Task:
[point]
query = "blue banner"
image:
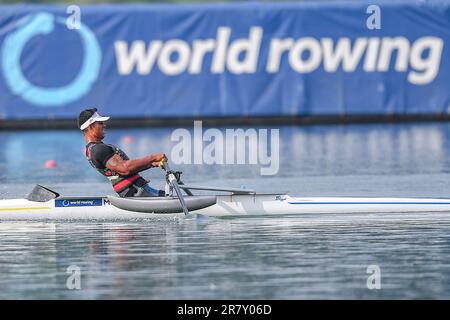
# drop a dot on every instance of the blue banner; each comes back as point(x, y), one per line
point(302, 59)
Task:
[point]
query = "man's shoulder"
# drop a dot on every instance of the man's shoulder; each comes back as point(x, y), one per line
point(101, 148)
point(99, 145)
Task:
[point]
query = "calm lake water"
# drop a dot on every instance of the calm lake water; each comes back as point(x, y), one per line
point(196, 257)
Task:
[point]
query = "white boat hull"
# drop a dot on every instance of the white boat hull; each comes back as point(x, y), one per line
point(226, 205)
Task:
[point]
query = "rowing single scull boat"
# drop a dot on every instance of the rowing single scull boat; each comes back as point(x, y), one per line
point(238, 202)
point(43, 203)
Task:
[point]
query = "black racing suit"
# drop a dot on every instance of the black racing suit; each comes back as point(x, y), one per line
point(98, 154)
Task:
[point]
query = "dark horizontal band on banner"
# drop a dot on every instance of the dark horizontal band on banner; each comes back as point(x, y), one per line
point(225, 121)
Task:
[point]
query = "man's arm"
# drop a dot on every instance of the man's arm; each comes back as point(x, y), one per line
point(127, 167)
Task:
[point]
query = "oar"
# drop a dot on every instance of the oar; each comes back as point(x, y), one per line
point(174, 183)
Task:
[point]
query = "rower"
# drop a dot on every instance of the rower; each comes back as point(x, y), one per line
point(113, 163)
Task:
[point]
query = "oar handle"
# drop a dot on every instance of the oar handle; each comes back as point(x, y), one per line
point(163, 164)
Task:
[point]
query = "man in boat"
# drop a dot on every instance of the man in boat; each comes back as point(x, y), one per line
point(112, 162)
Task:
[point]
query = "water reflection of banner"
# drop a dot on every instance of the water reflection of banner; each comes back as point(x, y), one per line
point(228, 60)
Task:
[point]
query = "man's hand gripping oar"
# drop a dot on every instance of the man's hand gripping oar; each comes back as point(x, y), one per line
point(173, 181)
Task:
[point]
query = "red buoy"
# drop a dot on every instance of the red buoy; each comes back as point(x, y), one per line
point(127, 139)
point(50, 164)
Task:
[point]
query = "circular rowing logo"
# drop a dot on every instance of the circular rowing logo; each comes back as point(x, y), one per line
point(41, 24)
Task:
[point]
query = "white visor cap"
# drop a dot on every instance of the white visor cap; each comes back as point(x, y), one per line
point(94, 118)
